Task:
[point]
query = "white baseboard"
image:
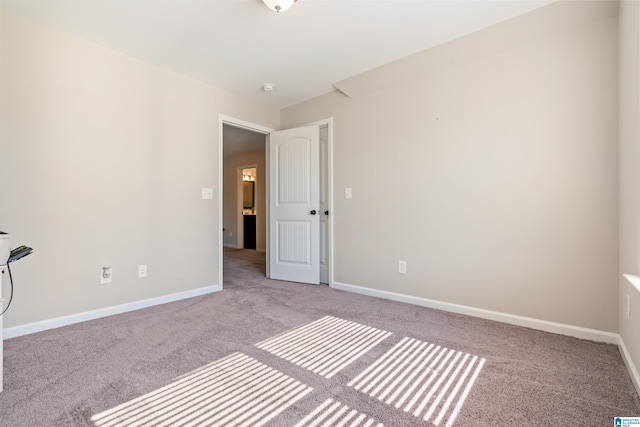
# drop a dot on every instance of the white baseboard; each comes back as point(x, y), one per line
point(542, 325)
point(31, 328)
point(633, 372)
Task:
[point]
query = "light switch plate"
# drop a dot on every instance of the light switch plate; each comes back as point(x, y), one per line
point(402, 267)
point(207, 193)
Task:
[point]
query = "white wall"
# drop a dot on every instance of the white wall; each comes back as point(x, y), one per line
point(629, 112)
point(102, 160)
point(489, 164)
point(230, 214)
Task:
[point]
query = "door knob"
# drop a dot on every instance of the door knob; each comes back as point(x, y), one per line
point(313, 212)
point(326, 212)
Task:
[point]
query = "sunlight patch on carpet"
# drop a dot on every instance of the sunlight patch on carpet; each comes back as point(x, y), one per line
point(234, 391)
point(332, 413)
point(325, 346)
point(426, 380)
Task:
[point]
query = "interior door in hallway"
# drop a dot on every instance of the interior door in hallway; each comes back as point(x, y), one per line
point(294, 205)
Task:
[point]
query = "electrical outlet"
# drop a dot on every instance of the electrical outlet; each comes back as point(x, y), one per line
point(402, 267)
point(105, 275)
point(628, 307)
point(142, 271)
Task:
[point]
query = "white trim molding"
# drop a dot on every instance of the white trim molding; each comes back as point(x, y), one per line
point(328, 122)
point(243, 124)
point(56, 322)
point(634, 280)
point(528, 322)
point(633, 371)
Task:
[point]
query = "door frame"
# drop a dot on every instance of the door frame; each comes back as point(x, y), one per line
point(254, 127)
point(243, 124)
point(329, 123)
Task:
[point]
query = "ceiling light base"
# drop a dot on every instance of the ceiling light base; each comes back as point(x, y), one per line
point(279, 5)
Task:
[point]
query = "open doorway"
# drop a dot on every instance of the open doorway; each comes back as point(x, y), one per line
point(244, 196)
point(230, 229)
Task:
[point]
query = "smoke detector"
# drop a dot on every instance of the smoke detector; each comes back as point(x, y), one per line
point(267, 87)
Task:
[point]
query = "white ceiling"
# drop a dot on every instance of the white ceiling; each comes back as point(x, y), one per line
point(240, 44)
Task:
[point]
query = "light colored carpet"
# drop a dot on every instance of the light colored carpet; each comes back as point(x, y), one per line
point(235, 390)
point(325, 346)
point(283, 354)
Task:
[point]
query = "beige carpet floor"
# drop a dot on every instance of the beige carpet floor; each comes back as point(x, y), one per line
point(273, 353)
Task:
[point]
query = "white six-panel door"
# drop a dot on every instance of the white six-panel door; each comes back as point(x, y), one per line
point(294, 224)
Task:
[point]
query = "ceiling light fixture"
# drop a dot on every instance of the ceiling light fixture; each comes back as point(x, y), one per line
point(279, 5)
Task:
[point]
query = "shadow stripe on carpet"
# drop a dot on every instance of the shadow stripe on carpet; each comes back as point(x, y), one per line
point(234, 391)
point(333, 413)
point(325, 346)
point(421, 378)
